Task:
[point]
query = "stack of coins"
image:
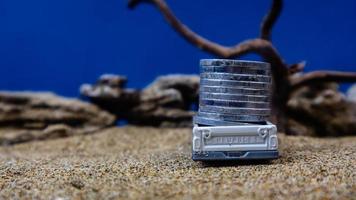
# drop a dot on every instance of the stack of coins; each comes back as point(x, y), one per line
point(233, 92)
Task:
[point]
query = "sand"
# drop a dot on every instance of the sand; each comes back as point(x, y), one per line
point(150, 163)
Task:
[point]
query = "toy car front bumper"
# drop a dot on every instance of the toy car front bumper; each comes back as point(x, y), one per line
point(235, 155)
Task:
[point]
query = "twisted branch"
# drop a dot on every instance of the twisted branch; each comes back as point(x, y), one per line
point(322, 76)
point(295, 68)
point(259, 46)
point(270, 19)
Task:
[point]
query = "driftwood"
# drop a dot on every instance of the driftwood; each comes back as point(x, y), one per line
point(323, 111)
point(351, 93)
point(28, 116)
point(284, 78)
point(166, 102)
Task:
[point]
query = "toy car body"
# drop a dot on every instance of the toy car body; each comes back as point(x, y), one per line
point(242, 142)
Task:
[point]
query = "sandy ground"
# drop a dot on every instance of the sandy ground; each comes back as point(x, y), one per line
point(148, 163)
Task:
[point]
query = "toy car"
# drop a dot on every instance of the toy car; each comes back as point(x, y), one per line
point(241, 142)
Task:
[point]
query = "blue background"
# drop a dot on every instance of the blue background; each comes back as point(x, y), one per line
point(58, 45)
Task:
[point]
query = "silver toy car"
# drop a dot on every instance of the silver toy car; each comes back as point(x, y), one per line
point(243, 142)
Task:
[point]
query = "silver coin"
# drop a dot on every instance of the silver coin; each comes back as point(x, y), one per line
point(234, 70)
point(235, 97)
point(212, 122)
point(233, 90)
point(235, 111)
point(237, 63)
point(234, 118)
point(243, 84)
point(236, 104)
point(236, 77)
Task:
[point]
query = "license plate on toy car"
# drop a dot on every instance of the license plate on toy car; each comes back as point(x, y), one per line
point(234, 140)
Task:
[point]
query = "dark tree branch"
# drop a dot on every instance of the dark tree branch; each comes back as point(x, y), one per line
point(295, 68)
point(322, 76)
point(270, 19)
point(133, 3)
point(259, 46)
